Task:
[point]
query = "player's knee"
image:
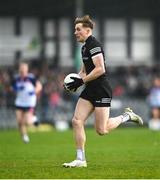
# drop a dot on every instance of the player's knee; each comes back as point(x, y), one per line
point(20, 123)
point(76, 122)
point(101, 131)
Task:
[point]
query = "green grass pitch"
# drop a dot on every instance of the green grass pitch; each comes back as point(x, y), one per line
point(131, 153)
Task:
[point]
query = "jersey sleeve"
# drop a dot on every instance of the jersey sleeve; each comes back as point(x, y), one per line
point(95, 49)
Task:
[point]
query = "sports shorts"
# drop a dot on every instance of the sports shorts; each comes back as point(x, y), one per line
point(99, 93)
point(25, 109)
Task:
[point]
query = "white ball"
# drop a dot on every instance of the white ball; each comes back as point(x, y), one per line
point(68, 79)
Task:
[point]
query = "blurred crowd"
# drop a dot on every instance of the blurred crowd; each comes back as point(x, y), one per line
point(126, 81)
point(132, 81)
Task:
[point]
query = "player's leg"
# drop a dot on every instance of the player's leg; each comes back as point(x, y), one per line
point(103, 123)
point(22, 125)
point(83, 109)
point(27, 119)
point(154, 123)
point(155, 113)
point(30, 117)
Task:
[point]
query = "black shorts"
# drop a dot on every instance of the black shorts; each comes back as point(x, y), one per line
point(98, 93)
point(25, 109)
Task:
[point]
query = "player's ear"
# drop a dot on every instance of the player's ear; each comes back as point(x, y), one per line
point(88, 30)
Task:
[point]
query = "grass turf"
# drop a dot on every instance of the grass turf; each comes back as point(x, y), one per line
point(131, 153)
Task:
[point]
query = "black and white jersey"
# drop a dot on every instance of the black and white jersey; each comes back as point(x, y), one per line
point(97, 91)
point(90, 49)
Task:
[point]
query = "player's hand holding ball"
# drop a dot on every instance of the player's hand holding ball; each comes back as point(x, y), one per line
point(72, 82)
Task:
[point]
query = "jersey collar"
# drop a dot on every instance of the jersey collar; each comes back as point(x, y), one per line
point(88, 39)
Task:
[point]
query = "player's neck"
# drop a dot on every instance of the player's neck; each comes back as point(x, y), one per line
point(88, 37)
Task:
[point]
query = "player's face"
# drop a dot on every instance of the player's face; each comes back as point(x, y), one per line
point(81, 32)
point(157, 82)
point(23, 69)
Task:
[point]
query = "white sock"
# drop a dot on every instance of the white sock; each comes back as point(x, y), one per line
point(25, 138)
point(125, 117)
point(81, 154)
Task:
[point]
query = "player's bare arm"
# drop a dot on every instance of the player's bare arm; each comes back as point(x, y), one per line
point(38, 87)
point(99, 69)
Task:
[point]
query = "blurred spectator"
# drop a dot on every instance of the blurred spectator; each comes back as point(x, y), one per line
point(26, 87)
point(54, 99)
point(154, 102)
